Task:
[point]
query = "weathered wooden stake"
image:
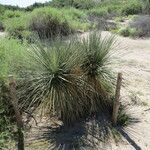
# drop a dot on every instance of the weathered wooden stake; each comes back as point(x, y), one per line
point(117, 100)
point(14, 101)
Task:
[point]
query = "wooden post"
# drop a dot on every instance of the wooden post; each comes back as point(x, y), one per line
point(116, 104)
point(14, 102)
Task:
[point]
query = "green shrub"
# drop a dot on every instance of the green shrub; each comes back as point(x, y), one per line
point(1, 26)
point(6, 114)
point(131, 8)
point(16, 26)
point(128, 31)
point(146, 6)
point(48, 25)
point(118, 7)
point(52, 22)
point(98, 12)
point(142, 25)
point(79, 4)
point(124, 31)
point(12, 14)
point(134, 32)
point(112, 7)
point(12, 56)
point(84, 4)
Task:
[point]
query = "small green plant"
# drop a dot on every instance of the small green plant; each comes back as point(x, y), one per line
point(124, 31)
point(128, 32)
point(134, 32)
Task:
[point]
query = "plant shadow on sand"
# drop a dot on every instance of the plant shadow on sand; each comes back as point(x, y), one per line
point(93, 134)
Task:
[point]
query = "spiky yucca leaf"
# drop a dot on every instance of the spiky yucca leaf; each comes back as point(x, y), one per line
point(95, 65)
point(53, 84)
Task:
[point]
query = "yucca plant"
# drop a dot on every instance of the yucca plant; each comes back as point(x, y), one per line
point(95, 65)
point(53, 84)
point(70, 79)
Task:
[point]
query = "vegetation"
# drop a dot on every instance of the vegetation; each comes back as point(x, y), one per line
point(63, 17)
point(146, 6)
point(141, 24)
point(137, 27)
point(57, 75)
point(56, 22)
point(131, 8)
point(127, 31)
point(58, 85)
point(5, 117)
point(12, 54)
point(79, 4)
point(1, 26)
point(52, 22)
point(12, 57)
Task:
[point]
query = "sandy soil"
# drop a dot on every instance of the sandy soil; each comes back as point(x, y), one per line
point(134, 62)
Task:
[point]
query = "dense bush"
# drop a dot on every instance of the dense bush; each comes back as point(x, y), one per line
point(131, 8)
point(79, 4)
point(128, 31)
point(146, 6)
point(98, 12)
point(141, 24)
point(52, 21)
point(12, 14)
point(84, 4)
point(12, 57)
point(1, 26)
point(11, 62)
point(17, 27)
point(47, 25)
point(117, 8)
point(5, 117)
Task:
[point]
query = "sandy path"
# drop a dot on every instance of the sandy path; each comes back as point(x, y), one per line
point(134, 63)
